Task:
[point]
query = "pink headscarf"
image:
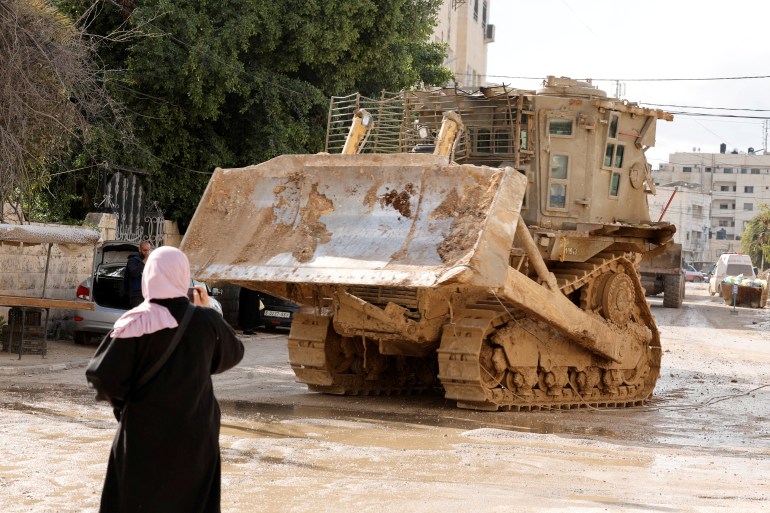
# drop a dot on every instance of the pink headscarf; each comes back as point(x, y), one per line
point(166, 275)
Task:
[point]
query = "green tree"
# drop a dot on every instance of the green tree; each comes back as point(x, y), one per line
point(756, 237)
point(236, 82)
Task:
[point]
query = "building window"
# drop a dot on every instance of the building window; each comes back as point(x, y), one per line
point(724, 188)
point(560, 127)
point(557, 186)
point(687, 169)
point(748, 206)
point(728, 170)
point(723, 206)
point(503, 141)
point(484, 17)
point(613, 131)
point(483, 141)
point(708, 169)
point(748, 189)
point(476, 10)
point(744, 170)
point(754, 171)
point(723, 222)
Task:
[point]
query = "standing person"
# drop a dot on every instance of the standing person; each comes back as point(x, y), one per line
point(249, 305)
point(134, 268)
point(165, 456)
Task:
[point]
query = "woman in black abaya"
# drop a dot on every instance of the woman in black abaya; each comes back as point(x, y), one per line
point(165, 455)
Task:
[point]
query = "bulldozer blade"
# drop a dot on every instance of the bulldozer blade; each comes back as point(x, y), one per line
point(408, 220)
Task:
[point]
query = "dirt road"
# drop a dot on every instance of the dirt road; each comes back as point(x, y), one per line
point(702, 444)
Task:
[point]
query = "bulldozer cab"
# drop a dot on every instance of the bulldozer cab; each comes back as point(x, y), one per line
point(582, 153)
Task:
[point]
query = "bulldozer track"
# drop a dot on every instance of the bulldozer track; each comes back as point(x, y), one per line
point(321, 359)
point(469, 375)
point(332, 364)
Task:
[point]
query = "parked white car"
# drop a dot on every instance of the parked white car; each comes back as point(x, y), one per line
point(106, 289)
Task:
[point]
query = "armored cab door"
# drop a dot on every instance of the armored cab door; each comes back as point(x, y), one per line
point(565, 166)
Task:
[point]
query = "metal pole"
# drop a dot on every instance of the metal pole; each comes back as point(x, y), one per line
point(45, 276)
point(735, 295)
point(667, 204)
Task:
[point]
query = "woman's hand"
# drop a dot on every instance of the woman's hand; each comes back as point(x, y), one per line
point(200, 296)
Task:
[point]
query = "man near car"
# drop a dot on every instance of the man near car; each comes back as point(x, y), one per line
point(249, 305)
point(134, 269)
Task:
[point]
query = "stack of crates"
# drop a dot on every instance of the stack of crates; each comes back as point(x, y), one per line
point(34, 331)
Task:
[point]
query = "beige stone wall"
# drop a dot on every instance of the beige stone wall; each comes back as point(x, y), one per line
point(171, 235)
point(23, 273)
point(106, 224)
point(23, 270)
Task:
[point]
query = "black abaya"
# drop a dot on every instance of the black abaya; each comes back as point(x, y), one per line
point(165, 455)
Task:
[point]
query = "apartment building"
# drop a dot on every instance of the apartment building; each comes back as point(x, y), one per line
point(728, 187)
point(464, 26)
point(690, 210)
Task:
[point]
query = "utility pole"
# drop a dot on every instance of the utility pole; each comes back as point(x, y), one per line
point(620, 89)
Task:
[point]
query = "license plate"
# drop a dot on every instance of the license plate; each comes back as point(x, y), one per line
point(273, 313)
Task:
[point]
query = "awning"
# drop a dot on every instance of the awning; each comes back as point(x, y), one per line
point(35, 234)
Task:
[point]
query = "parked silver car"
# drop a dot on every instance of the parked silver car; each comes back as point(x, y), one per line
point(105, 287)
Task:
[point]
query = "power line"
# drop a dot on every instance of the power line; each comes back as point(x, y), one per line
point(680, 79)
point(706, 115)
point(704, 108)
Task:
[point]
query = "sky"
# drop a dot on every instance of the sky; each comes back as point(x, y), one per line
point(635, 41)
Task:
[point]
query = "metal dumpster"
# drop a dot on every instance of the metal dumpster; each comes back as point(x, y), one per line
point(750, 297)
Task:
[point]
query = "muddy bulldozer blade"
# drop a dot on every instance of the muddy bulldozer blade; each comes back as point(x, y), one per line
point(406, 220)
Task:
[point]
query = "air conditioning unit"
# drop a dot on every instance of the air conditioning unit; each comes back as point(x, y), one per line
point(489, 34)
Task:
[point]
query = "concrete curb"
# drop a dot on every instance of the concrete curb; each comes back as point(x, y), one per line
point(42, 369)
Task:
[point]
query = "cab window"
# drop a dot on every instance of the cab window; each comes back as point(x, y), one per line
point(613, 150)
point(614, 184)
point(557, 182)
point(560, 127)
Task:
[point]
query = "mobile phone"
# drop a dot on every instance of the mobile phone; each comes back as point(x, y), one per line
point(190, 293)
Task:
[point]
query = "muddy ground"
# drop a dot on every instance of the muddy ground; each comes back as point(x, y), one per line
point(702, 444)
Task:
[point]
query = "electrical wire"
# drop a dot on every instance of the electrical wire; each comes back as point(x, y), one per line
point(680, 79)
point(704, 108)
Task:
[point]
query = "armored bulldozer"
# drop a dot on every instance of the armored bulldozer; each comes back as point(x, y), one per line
point(485, 243)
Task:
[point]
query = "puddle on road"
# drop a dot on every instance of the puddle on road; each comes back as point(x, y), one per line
point(666, 421)
point(432, 413)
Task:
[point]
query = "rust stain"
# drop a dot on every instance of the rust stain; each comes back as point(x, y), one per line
point(399, 200)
